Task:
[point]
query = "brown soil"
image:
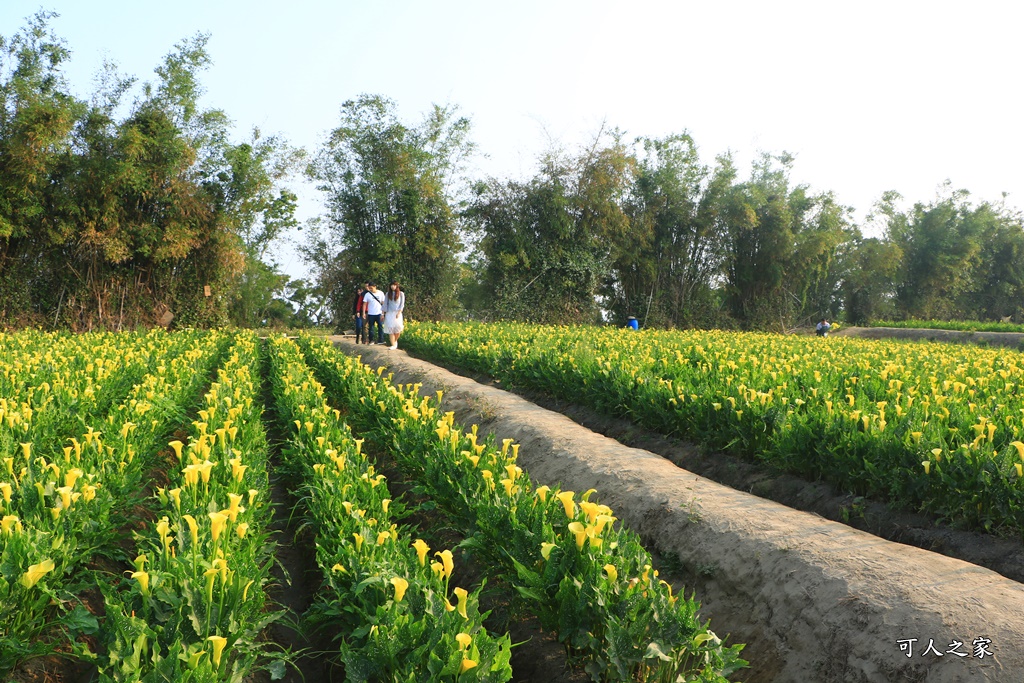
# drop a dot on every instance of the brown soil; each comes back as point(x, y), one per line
point(296, 581)
point(813, 599)
point(1013, 340)
point(1004, 555)
point(295, 573)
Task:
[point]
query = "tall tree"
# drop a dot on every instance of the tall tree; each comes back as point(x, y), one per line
point(960, 260)
point(389, 192)
point(780, 247)
point(548, 243)
point(262, 211)
point(666, 269)
point(107, 219)
point(37, 115)
point(869, 280)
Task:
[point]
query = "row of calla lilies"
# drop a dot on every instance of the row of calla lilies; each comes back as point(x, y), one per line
point(585, 578)
point(933, 427)
point(194, 605)
point(59, 508)
point(391, 600)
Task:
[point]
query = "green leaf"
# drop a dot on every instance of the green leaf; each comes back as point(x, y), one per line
point(80, 621)
point(654, 651)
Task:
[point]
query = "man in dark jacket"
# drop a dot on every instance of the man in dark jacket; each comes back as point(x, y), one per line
point(357, 314)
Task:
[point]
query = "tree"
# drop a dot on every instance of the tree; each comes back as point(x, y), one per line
point(780, 248)
point(548, 243)
point(666, 269)
point(936, 253)
point(389, 193)
point(37, 115)
point(869, 280)
point(262, 212)
point(107, 220)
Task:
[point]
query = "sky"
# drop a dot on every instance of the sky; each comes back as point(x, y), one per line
point(867, 96)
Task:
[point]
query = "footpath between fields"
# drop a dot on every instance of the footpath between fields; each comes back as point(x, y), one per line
point(1012, 340)
point(813, 599)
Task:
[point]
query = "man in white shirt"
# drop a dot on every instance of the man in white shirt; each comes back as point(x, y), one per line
point(372, 309)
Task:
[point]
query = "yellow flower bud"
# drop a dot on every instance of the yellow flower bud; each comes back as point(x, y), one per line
point(193, 527)
point(401, 585)
point(143, 579)
point(447, 562)
point(580, 532)
point(35, 573)
point(570, 507)
point(217, 522)
point(218, 648)
point(176, 445)
point(461, 594)
point(421, 551)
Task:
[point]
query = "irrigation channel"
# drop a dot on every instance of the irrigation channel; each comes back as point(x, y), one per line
point(813, 599)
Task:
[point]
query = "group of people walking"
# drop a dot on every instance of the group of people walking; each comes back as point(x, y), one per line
point(383, 310)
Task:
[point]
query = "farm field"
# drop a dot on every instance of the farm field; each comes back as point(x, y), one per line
point(956, 325)
point(932, 428)
point(136, 539)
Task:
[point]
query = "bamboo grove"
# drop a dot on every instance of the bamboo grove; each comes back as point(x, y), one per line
point(137, 202)
point(134, 203)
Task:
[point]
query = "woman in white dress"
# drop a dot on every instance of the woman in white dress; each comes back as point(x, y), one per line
point(394, 304)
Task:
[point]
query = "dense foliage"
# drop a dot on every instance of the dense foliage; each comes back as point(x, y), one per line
point(587, 581)
point(135, 510)
point(113, 211)
point(135, 203)
point(386, 186)
point(648, 230)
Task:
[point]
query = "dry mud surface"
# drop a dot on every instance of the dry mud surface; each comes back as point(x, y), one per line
point(1013, 340)
point(814, 600)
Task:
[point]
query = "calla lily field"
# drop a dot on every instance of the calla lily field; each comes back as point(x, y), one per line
point(136, 507)
point(937, 428)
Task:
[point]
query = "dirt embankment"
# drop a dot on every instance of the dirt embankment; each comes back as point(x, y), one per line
point(814, 600)
point(1013, 340)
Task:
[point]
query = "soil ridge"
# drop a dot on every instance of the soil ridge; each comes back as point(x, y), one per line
point(1013, 340)
point(812, 598)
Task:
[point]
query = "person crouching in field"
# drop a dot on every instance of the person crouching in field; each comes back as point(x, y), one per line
point(372, 306)
point(822, 328)
point(394, 304)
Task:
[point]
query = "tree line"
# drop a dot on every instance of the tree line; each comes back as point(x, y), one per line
point(642, 228)
point(136, 203)
point(132, 207)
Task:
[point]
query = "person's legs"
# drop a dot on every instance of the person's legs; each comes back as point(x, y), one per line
point(372, 320)
point(359, 328)
point(394, 340)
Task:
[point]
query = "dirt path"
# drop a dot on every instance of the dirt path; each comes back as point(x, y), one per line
point(1013, 340)
point(813, 599)
point(295, 573)
point(1002, 555)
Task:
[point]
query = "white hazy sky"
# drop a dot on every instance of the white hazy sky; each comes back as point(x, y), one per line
point(869, 96)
